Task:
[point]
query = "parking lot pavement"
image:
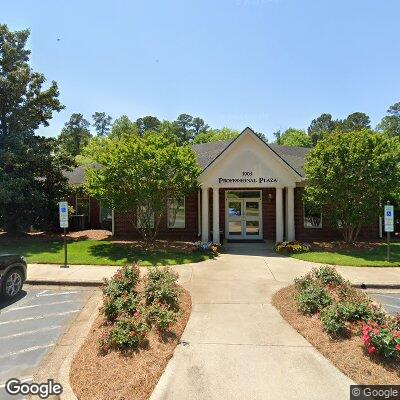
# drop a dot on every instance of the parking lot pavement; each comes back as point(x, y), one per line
point(389, 301)
point(30, 327)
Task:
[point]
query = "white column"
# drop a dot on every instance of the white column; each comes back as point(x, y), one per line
point(215, 215)
point(204, 214)
point(279, 214)
point(290, 214)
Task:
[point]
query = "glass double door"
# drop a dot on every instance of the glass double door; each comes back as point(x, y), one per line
point(243, 219)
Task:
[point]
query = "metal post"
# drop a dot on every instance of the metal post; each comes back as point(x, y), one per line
point(65, 248)
point(388, 245)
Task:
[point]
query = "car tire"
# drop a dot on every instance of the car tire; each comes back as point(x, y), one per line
point(12, 283)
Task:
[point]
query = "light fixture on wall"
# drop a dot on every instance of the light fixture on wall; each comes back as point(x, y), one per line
point(270, 197)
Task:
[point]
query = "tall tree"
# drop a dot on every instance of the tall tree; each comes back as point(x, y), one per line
point(349, 174)
point(74, 136)
point(355, 122)
point(198, 126)
point(295, 137)
point(278, 135)
point(139, 174)
point(31, 180)
point(148, 123)
point(184, 122)
point(123, 126)
point(102, 123)
point(390, 124)
point(320, 126)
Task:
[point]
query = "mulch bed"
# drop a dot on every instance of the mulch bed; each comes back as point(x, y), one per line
point(348, 355)
point(343, 246)
point(122, 376)
point(99, 234)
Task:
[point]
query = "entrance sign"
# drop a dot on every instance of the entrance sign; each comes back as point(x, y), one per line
point(389, 218)
point(63, 211)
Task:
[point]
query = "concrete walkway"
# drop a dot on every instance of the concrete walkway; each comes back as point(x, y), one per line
point(236, 345)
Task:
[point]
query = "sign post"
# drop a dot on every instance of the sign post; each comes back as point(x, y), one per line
point(63, 212)
point(389, 225)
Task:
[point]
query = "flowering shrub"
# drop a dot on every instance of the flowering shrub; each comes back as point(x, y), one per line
point(162, 316)
point(127, 333)
point(328, 275)
point(161, 286)
point(291, 247)
point(131, 313)
point(334, 320)
point(381, 339)
point(312, 298)
point(124, 280)
point(208, 246)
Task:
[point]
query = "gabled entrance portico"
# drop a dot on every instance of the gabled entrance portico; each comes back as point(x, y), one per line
point(246, 169)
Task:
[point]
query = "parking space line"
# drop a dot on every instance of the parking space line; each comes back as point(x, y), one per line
point(42, 292)
point(50, 328)
point(54, 294)
point(39, 317)
point(389, 297)
point(390, 305)
point(39, 305)
point(29, 349)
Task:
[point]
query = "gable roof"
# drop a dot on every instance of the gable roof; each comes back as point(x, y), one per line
point(206, 153)
point(295, 157)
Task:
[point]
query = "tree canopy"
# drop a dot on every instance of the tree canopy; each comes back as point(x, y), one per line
point(102, 123)
point(352, 173)
point(355, 122)
point(294, 137)
point(214, 135)
point(390, 124)
point(74, 136)
point(320, 126)
point(31, 180)
point(141, 174)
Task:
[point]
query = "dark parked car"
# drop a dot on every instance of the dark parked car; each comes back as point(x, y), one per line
point(12, 274)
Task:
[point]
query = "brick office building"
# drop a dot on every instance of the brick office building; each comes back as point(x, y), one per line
point(250, 190)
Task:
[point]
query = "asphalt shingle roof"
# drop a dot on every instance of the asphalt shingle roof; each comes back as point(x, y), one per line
point(206, 153)
point(294, 156)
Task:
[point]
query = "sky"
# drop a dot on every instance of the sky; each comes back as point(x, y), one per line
point(267, 64)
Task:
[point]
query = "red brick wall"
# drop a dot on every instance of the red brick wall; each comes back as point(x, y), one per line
point(326, 232)
point(125, 224)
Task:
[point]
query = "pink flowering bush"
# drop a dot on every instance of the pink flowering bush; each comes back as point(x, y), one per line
point(381, 339)
point(132, 306)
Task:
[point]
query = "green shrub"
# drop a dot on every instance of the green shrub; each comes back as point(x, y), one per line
point(333, 320)
point(124, 280)
point(328, 275)
point(126, 334)
point(312, 298)
point(126, 303)
point(162, 316)
point(161, 287)
point(304, 281)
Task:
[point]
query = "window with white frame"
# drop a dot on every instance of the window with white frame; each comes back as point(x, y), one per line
point(312, 216)
point(105, 212)
point(82, 206)
point(141, 216)
point(176, 213)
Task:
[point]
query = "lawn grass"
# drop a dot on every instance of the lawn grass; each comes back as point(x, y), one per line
point(356, 258)
point(97, 252)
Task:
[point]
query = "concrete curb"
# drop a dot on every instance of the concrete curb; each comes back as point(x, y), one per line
point(376, 285)
point(57, 364)
point(48, 282)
